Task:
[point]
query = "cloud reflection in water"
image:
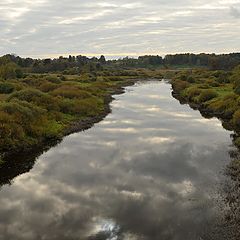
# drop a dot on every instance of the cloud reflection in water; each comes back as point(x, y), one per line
point(131, 176)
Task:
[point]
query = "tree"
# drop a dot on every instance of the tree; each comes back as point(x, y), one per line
point(102, 59)
point(8, 71)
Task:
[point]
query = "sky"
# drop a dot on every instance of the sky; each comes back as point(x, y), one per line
point(49, 28)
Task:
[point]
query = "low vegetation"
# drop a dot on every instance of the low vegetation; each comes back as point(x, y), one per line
point(216, 93)
point(36, 108)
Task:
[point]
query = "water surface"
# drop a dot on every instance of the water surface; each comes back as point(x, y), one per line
point(150, 170)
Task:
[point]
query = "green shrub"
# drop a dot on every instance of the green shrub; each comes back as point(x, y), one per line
point(53, 79)
point(11, 133)
point(88, 77)
point(6, 88)
point(115, 78)
point(192, 92)
point(237, 88)
point(190, 79)
point(67, 106)
point(37, 97)
point(8, 70)
point(212, 83)
point(236, 119)
point(88, 107)
point(70, 92)
point(33, 81)
point(179, 85)
point(83, 107)
point(48, 86)
point(207, 95)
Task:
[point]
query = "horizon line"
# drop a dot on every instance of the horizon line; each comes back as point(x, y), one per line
point(113, 55)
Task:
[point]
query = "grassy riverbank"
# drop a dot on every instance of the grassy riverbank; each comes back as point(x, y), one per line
point(217, 94)
point(214, 93)
point(39, 108)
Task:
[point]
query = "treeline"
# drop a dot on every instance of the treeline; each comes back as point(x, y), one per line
point(67, 65)
point(211, 61)
point(80, 64)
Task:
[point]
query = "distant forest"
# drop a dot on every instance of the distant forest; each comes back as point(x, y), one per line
point(80, 64)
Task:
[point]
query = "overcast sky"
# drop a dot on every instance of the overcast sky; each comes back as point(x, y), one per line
point(48, 28)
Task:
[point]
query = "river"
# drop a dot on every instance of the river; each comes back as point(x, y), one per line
point(150, 170)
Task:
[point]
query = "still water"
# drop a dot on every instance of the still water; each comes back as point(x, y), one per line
point(150, 170)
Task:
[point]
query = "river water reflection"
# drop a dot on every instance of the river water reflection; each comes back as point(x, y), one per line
point(149, 170)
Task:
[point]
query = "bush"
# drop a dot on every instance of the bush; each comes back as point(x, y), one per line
point(212, 83)
point(37, 97)
point(88, 77)
point(222, 76)
point(116, 78)
point(83, 107)
point(6, 88)
point(237, 87)
point(87, 107)
point(190, 79)
point(11, 133)
point(67, 106)
point(53, 79)
point(70, 92)
point(47, 87)
point(226, 105)
point(8, 71)
point(192, 92)
point(236, 119)
point(179, 85)
point(29, 117)
point(207, 95)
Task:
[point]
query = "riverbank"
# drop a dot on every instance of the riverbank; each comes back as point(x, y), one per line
point(80, 122)
point(214, 95)
point(106, 162)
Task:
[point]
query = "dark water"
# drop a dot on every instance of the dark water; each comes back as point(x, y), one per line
point(150, 170)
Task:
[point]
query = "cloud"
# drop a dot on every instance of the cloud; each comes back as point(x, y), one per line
point(49, 27)
point(235, 12)
point(137, 181)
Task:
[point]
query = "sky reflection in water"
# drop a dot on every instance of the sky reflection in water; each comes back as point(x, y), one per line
point(147, 171)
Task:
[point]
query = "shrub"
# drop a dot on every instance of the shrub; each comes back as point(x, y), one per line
point(33, 81)
point(226, 105)
point(88, 77)
point(6, 88)
point(31, 118)
point(207, 95)
point(11, 133)
point(116, 78)
point(29, 95)
point(70, 92)
point(237, 88)
point(8, 70)
point(47, 87)
point(222, 76)
point(83, 107)
point(190, 79)
point(37, 97)
point(236, 119)
point(67, 106)
point(53, 79)
point(87, 107)
point(179, 85)
point(212, 83)
point(192, 92)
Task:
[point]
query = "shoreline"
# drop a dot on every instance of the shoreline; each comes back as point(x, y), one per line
point(205, 112)
point(231, 192)
point(77, 126)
